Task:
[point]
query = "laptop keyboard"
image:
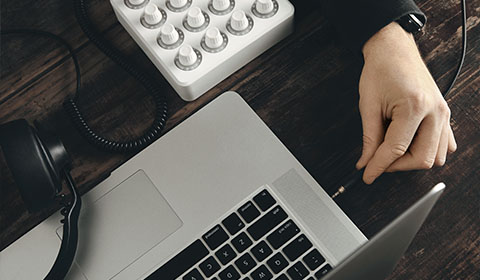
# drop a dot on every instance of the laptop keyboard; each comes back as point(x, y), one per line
point(259, 241)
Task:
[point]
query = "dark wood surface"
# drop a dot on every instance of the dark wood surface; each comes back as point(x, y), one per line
point(304, 88)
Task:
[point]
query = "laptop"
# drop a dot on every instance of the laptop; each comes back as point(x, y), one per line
point(217, 197)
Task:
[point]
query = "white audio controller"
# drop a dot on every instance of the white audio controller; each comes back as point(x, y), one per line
point(197, 43)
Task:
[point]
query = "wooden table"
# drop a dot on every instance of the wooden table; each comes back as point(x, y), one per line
point(304, 88)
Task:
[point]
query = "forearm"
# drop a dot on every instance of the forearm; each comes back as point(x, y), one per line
point(357, 21)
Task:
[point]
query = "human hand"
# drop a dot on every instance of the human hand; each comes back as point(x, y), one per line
point(405, 119)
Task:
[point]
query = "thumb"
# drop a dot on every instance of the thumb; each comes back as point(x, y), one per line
point(373, 132)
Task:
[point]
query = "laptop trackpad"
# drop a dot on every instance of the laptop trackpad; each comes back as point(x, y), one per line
point(121, 226)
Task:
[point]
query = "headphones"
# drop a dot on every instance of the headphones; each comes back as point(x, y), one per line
point(39, 163)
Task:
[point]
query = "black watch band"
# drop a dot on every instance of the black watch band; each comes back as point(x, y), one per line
point(411, 23)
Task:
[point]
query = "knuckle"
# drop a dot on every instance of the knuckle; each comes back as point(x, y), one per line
point(416, 103)
point(443, 109)
point(398, 150)
point(427, 163)
point(367, 140)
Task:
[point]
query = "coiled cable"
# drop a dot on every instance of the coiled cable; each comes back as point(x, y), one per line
point(70, 105)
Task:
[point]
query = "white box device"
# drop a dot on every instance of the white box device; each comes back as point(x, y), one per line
point(197, 43)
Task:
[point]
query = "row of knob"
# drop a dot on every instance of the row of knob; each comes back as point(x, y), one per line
point(195, 17)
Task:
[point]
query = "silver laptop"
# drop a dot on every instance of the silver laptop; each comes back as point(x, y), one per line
point(217, 197)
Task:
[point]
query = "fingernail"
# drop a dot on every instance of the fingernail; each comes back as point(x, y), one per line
point(359, 164)
point(368, 180)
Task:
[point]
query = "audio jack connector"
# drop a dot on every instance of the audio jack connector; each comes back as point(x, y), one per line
point(352, 180)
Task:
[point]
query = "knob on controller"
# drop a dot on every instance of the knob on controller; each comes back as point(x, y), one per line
point(135, 4)
point(187, 55)
point(152, 14)
point(195, 17)
point(196, 20)
point(170, 37)
point(213, 38)
point(264, 6)
point(221, 5)
point(188, 58)
point(178, 3)
point(168, 34)
point(239, 21)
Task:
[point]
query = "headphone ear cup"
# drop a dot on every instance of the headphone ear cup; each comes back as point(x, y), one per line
point(30, 163)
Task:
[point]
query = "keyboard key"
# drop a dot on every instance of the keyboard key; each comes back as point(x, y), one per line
point(282, 277)
point(282, 234)
point(215, 237)
point(311, 278)
point(323, 271)
point(264, 200)
point(209, 266)
point(241, 242)
point(298, 271)
point(261, 251)
point(245, 263)
point(261, 273)
point(193, 275)
point(313, 259)
point(266, 223)
point(277, 263)
point(214, 278)
point(229, 273)
point(248, 212)
point(225, 254)
point(297, 247)
point(182, 262)
point(233, 224)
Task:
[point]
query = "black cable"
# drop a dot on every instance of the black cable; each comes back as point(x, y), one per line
point(464, 48)
point(52, 36)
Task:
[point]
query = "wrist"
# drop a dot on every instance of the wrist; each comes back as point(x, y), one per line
point(390, 37)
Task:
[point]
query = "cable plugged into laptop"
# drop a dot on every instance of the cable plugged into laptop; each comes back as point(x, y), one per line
point(352, 180)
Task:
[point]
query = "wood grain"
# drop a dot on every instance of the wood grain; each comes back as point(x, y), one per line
point(304, 88)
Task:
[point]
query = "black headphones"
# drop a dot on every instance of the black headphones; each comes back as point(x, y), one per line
point(39, 162)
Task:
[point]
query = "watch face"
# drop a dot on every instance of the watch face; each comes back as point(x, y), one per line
point(411, 23)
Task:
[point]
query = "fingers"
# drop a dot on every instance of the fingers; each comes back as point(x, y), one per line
point(442, 146)
point(397, 140)
point(373, 132)
point(423, 151)
point(452, 144)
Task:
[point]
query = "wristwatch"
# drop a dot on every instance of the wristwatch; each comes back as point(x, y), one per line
point(411, 23)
